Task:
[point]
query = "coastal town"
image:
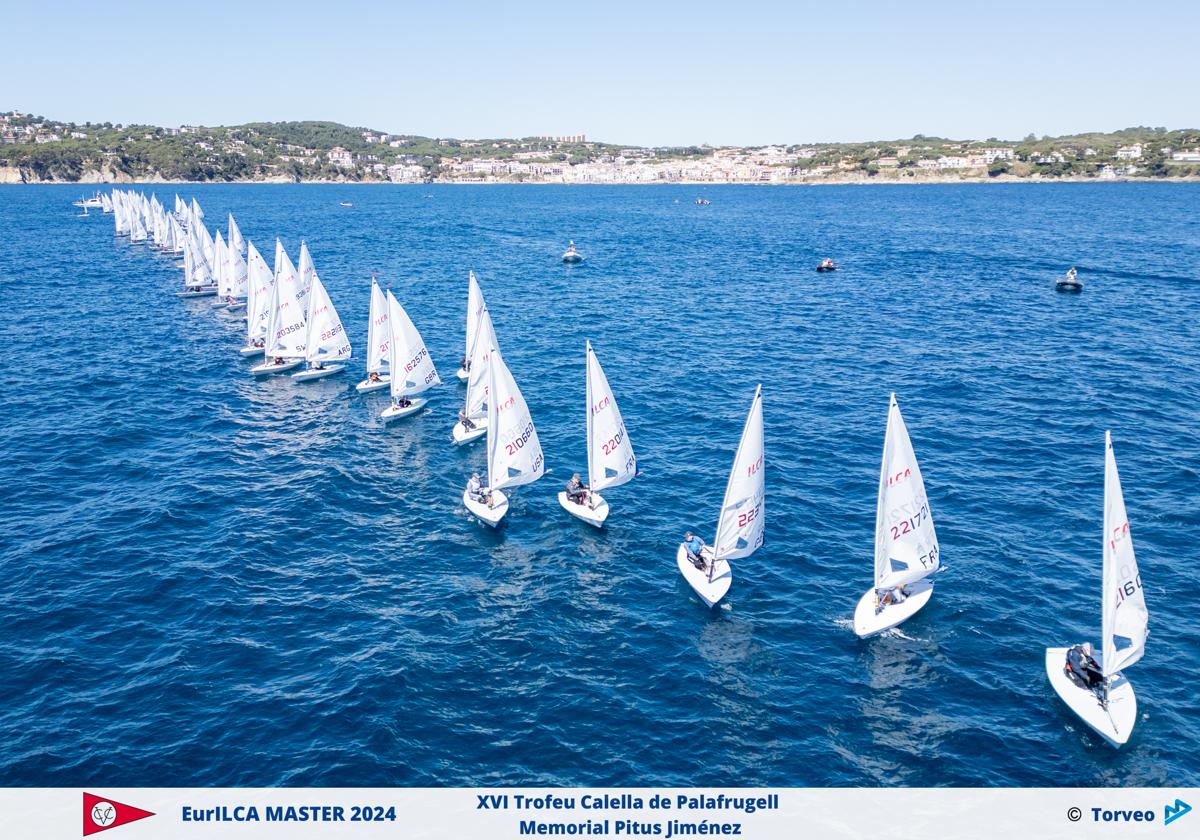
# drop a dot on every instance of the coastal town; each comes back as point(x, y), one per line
point(35, 149)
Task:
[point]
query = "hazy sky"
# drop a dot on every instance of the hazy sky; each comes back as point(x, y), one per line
point(648, 73)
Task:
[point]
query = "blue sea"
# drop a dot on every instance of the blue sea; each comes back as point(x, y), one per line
point(211, 580)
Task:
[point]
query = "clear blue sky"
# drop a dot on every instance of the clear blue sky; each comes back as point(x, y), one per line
point(647, 72)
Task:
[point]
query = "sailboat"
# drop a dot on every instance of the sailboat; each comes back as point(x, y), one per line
point(412, 370)
point(572, 256)
point(379, 336)
point(475, 307)
point(326, 338)
point(220, 268)
point(475, 403)
point(514, 451)
point(611, 461)
point(906, 545)
point(1110, 707)
point(742, 523)
point(258, 297)
point(285, 329)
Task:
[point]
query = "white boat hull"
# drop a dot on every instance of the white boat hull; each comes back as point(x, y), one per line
point(572, 259)
point(367, 386)
point(593, 511)
point(267, 368)
point(1115, 724)
point(487, 515)
point(462, 374)
point(710, 591)
point(317, 373)
point(236, 307)
point(197, 294)
point(868, 623)
point(462, 435)
point(247, 352)
point(394, 412)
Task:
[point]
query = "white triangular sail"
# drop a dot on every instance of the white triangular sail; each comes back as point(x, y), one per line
point(906, 545)
point(285, 313)
point(326, 339)
point(379, 333)
point(235, 240)
point(411, 367)
point(197, 213)
point(611, 461)
point(1125, 619)
point(741, 527)
point(307, 270)
point(514, 451)
point(221, 266)
point(475, 307)
point(260, 280)
point(476, 400)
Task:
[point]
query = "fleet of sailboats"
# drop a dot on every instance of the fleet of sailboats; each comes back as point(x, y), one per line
point(291, 321)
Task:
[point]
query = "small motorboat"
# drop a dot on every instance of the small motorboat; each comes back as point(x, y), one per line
point(826, 265)
point(345, 204)
point(572, 256)
point(1069, 283)
point(703, 201)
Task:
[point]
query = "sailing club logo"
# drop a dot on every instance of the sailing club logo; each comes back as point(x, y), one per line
point(100, 814)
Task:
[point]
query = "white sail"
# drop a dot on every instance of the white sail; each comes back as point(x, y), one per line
point(137, 230)
point(379, 333)
point(475, 307)
point(411, 367)
point(285, 313)
point(221, 265)
point(326, 339)
point(742, 524)
point(514, 451)
point(258, 294)
point(307, 270)
point(611, 461)
point(906, 545)
point(1125, 618)
point(197, 213)
point(236, 242)
point(236, 271)
point(476, 400)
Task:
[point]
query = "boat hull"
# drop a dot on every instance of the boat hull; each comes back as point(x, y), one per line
point(247, 352)
point(367, 386)
point(1114, 725)
point(1068, 286)
point(709, 591)
point(868, 623)
point(199, 293)
point(463, 436)
point(314, 373)
point(462, 374)
point(593, 511)
point(572, 259)
point(266, 368)
point(490, 516)
point(394, 412)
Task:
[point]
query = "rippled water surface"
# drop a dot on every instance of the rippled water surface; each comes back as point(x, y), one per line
point(208, 580)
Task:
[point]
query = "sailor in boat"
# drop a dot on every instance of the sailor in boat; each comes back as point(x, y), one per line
point(577, 491)
point(465, 420)
point(1083, 668)
point(278, 360)
point(260, 343)
point(895, 595)
point(465, 364)
point(373, 376)
point(694, 546)
point(317, 366)
point(402, 402)
point(826, 265)
point(475, 490)
point(1071, 273)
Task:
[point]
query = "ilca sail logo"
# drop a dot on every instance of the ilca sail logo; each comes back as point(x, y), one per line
point(100, 814)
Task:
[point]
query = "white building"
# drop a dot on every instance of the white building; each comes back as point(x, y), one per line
point(1130, 152)
point(340, 157)
point(1187, 156)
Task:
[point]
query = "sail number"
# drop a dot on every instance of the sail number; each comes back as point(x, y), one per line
point(749, 516)
point(610, 446)
point(909, 526)
point(408, 368)
point(514, 446)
